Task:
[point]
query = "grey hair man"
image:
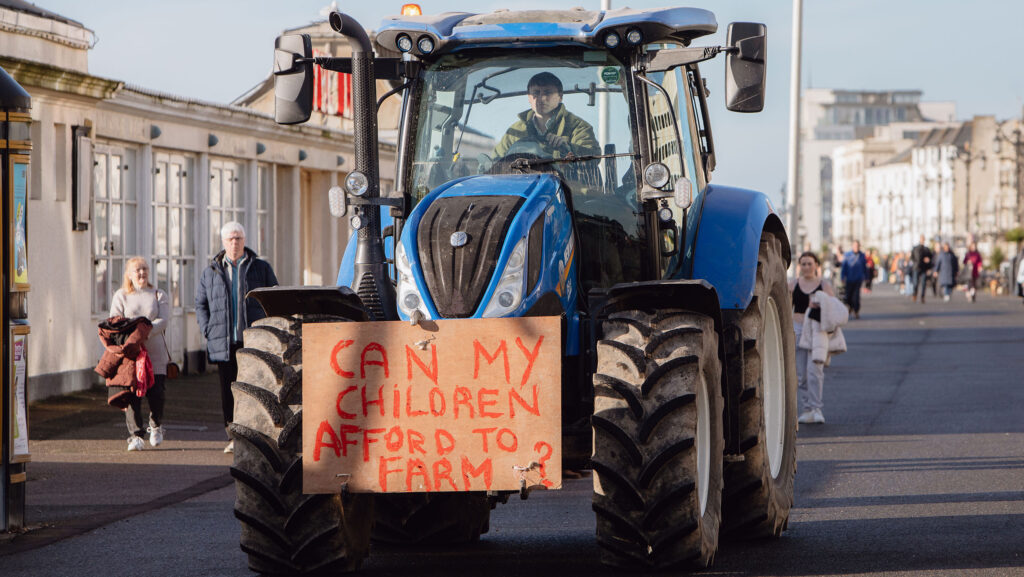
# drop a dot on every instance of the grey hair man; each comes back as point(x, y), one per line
point(223, 311)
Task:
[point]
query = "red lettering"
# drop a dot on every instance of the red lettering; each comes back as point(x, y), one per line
point(367, 440)
point(325, 428)
point(393, 440)
point(483, 404)
point(462, 396)
point(416, 442)
point(382, 362)
point(445, 442)
point(483, 436)
point(341, 397)
point(379, 402)
point(415, 467)
point(397, 400)
point(479, 350)
point(383, 471)
point(531, 358)
point(431, 370)
point(345, 431)
point(507, 446)
point(334, 359)
point(443, 470)
point(485, 469)
point(513, 395)
point(408, 404)
point(436, 398)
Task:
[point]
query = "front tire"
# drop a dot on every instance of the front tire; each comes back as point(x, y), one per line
point(283, 530)
point(759, 487)
point(657, 440)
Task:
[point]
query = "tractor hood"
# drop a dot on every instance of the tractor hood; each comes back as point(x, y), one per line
point(459, 236)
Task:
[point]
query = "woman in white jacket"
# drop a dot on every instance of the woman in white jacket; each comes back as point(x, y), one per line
point(810, 375)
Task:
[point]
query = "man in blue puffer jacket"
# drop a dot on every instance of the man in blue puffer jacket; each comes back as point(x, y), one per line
point(223, 311)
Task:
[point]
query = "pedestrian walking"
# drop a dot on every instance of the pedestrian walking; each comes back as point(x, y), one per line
point(870, 269)
point(1020, 275)
point(810, 374)
point(854, 271)
point(223, 311)
point(922, 258)
point(973, 260)
point(138, 298)
point(946, 269)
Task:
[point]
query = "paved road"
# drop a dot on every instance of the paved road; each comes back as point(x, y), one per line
point(919, 471)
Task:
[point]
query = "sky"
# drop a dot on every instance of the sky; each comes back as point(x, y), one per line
point(216, 50)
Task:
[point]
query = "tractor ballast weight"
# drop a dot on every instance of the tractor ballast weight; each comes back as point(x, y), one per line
point(678, 383)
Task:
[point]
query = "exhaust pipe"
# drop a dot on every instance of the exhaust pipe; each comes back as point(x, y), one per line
point(371, 280)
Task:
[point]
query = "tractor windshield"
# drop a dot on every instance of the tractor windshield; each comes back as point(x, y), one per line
point(509, 111)
point(479, 113)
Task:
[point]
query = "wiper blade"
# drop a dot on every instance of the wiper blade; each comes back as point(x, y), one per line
point(523, 163)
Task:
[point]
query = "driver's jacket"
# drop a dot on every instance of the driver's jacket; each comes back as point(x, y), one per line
point(577, 131)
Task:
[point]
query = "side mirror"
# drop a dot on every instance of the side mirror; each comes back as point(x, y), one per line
point(745, 67)
point(293, 79)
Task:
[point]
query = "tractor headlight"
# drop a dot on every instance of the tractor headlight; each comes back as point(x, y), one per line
point(508, 295)
point(409, 299)
point(356, 183)
point(404, 43)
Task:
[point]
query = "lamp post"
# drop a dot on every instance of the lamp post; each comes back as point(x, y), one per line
point(1014, 139)
point(968, 157)
point(890, 197)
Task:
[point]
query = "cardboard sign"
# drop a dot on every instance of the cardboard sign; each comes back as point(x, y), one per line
point(448, 405)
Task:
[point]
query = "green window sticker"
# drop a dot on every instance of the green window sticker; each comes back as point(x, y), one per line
point(610, 75)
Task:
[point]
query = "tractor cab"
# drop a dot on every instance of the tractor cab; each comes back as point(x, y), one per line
point(562, 111)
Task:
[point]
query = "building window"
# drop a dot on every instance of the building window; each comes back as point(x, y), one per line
point(264, 240)
point(115, 210)
point(227, 199)
point(174, 234)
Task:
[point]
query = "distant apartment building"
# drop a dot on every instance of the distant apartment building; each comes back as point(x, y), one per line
point(830, 118)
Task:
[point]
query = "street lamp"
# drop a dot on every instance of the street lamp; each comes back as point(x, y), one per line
point(1014, 139)
point(968, 157)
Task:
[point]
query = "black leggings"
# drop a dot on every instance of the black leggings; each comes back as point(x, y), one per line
point(155, 395)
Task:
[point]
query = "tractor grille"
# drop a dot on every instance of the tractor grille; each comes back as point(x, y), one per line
point(458, 276)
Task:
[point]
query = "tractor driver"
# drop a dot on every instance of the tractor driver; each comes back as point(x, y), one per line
point(557, 130)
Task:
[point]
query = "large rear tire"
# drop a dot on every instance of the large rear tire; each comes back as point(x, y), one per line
point(283, 530)
point(658, 440)
point(430, 519)
point(759, 487)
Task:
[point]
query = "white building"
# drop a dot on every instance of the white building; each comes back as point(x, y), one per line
point(166, 172)
point(830, 118)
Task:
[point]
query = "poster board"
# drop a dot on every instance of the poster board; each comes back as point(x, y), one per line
point(17, 367)
point(443, 406)
point(18, 174)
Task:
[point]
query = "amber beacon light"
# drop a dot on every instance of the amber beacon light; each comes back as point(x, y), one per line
point(411, 10)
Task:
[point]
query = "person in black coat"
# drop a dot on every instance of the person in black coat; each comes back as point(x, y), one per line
point(922, 257)
point(223, 311)
point(946, 269)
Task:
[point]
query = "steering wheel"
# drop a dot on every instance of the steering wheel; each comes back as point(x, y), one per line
point(528, 148)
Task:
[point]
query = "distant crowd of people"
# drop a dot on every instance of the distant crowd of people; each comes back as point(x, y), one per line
point(934, 268)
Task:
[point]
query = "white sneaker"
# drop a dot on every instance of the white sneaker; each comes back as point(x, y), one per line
point(806, 417)
point(945, 298)
point(231, 447)
point(818, 417)
point(136, 443)
point(156, 436)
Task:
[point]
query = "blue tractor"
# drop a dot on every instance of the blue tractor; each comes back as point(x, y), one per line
point(550, 163)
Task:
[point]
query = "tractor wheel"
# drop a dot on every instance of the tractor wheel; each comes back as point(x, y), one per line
point(430, 519)
point(658, 440)
point(759, 487)
point(283, 530)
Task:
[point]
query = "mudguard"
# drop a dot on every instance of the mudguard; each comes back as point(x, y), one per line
point(725, 241)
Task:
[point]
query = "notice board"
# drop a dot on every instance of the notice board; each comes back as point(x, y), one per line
point(443, 406)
